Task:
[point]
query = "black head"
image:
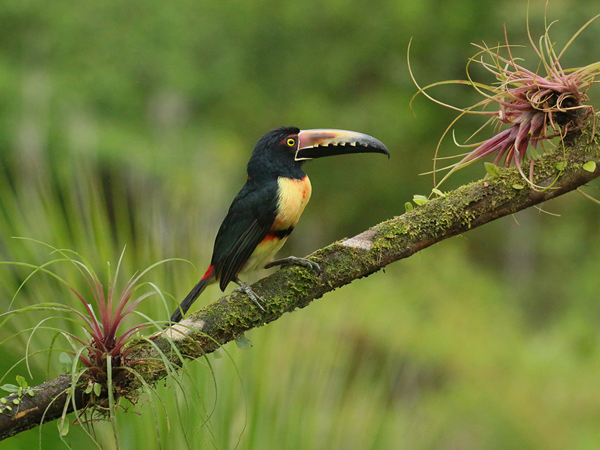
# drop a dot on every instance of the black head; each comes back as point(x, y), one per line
point(282, 152)
point(274, 154)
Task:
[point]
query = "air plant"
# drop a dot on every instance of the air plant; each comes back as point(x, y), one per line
point(101, 362)
point(530, 108)
point(113, 307)
point(105, 350)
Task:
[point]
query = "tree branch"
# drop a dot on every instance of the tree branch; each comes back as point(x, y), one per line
point(228, 318)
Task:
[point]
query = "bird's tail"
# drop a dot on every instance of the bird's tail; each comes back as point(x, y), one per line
point(193, 295)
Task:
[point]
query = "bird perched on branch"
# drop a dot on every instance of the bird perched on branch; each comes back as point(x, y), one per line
point(268, 207)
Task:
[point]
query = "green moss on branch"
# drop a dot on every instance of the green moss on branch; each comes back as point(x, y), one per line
point(457, 212)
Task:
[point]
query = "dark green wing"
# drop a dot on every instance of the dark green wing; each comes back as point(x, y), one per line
point(248, 221)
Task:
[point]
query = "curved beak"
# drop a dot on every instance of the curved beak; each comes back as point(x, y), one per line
point(321, 142)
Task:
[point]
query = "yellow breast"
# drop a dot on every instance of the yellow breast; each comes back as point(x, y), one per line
point(293, 197)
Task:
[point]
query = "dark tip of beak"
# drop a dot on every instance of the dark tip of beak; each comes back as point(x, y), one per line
point(319, 143)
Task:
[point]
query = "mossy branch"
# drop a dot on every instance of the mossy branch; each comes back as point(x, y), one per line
point(342, 262)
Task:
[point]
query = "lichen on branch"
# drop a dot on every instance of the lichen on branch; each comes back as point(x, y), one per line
point(456, 212)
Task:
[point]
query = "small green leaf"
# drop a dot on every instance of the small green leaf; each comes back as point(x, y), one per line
point(408, 207)
point(65, 360)
point(533, 153)
point(561, 165)
point(518, 186)
point(10, 388)
point(30, 392)
point(97, 389)
point(63, 427)
point(217, 354)
point(590, 166)
point(243, 342)
point(420, 199)
point(3, 400)
point(8, 408)
point(88, 390)
point(492, 169)
point(22, 382)
point(438, 192)
point(16, 401)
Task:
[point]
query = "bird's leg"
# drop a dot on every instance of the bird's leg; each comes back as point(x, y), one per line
point(295, 261)
point(249, 292)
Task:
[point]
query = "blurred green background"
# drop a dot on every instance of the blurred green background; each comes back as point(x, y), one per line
point(130, 123)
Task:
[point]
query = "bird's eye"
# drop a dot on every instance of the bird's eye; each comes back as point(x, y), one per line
point(290, 142)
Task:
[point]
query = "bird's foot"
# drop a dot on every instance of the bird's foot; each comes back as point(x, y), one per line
point(249, 292)
point(295, 261)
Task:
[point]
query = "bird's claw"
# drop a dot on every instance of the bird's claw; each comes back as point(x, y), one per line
point(295, 261)
point(243, 287)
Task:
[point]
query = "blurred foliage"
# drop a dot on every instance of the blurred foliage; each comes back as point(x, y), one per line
point(130, 124)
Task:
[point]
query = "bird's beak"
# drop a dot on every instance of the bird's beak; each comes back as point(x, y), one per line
point(319, 143)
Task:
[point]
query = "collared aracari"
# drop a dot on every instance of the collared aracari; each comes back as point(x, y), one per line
point(268, 207)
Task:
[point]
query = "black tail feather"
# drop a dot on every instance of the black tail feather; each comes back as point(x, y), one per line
point(190, 299)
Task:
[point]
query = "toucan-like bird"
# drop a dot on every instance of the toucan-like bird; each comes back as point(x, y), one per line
point(266, 210)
